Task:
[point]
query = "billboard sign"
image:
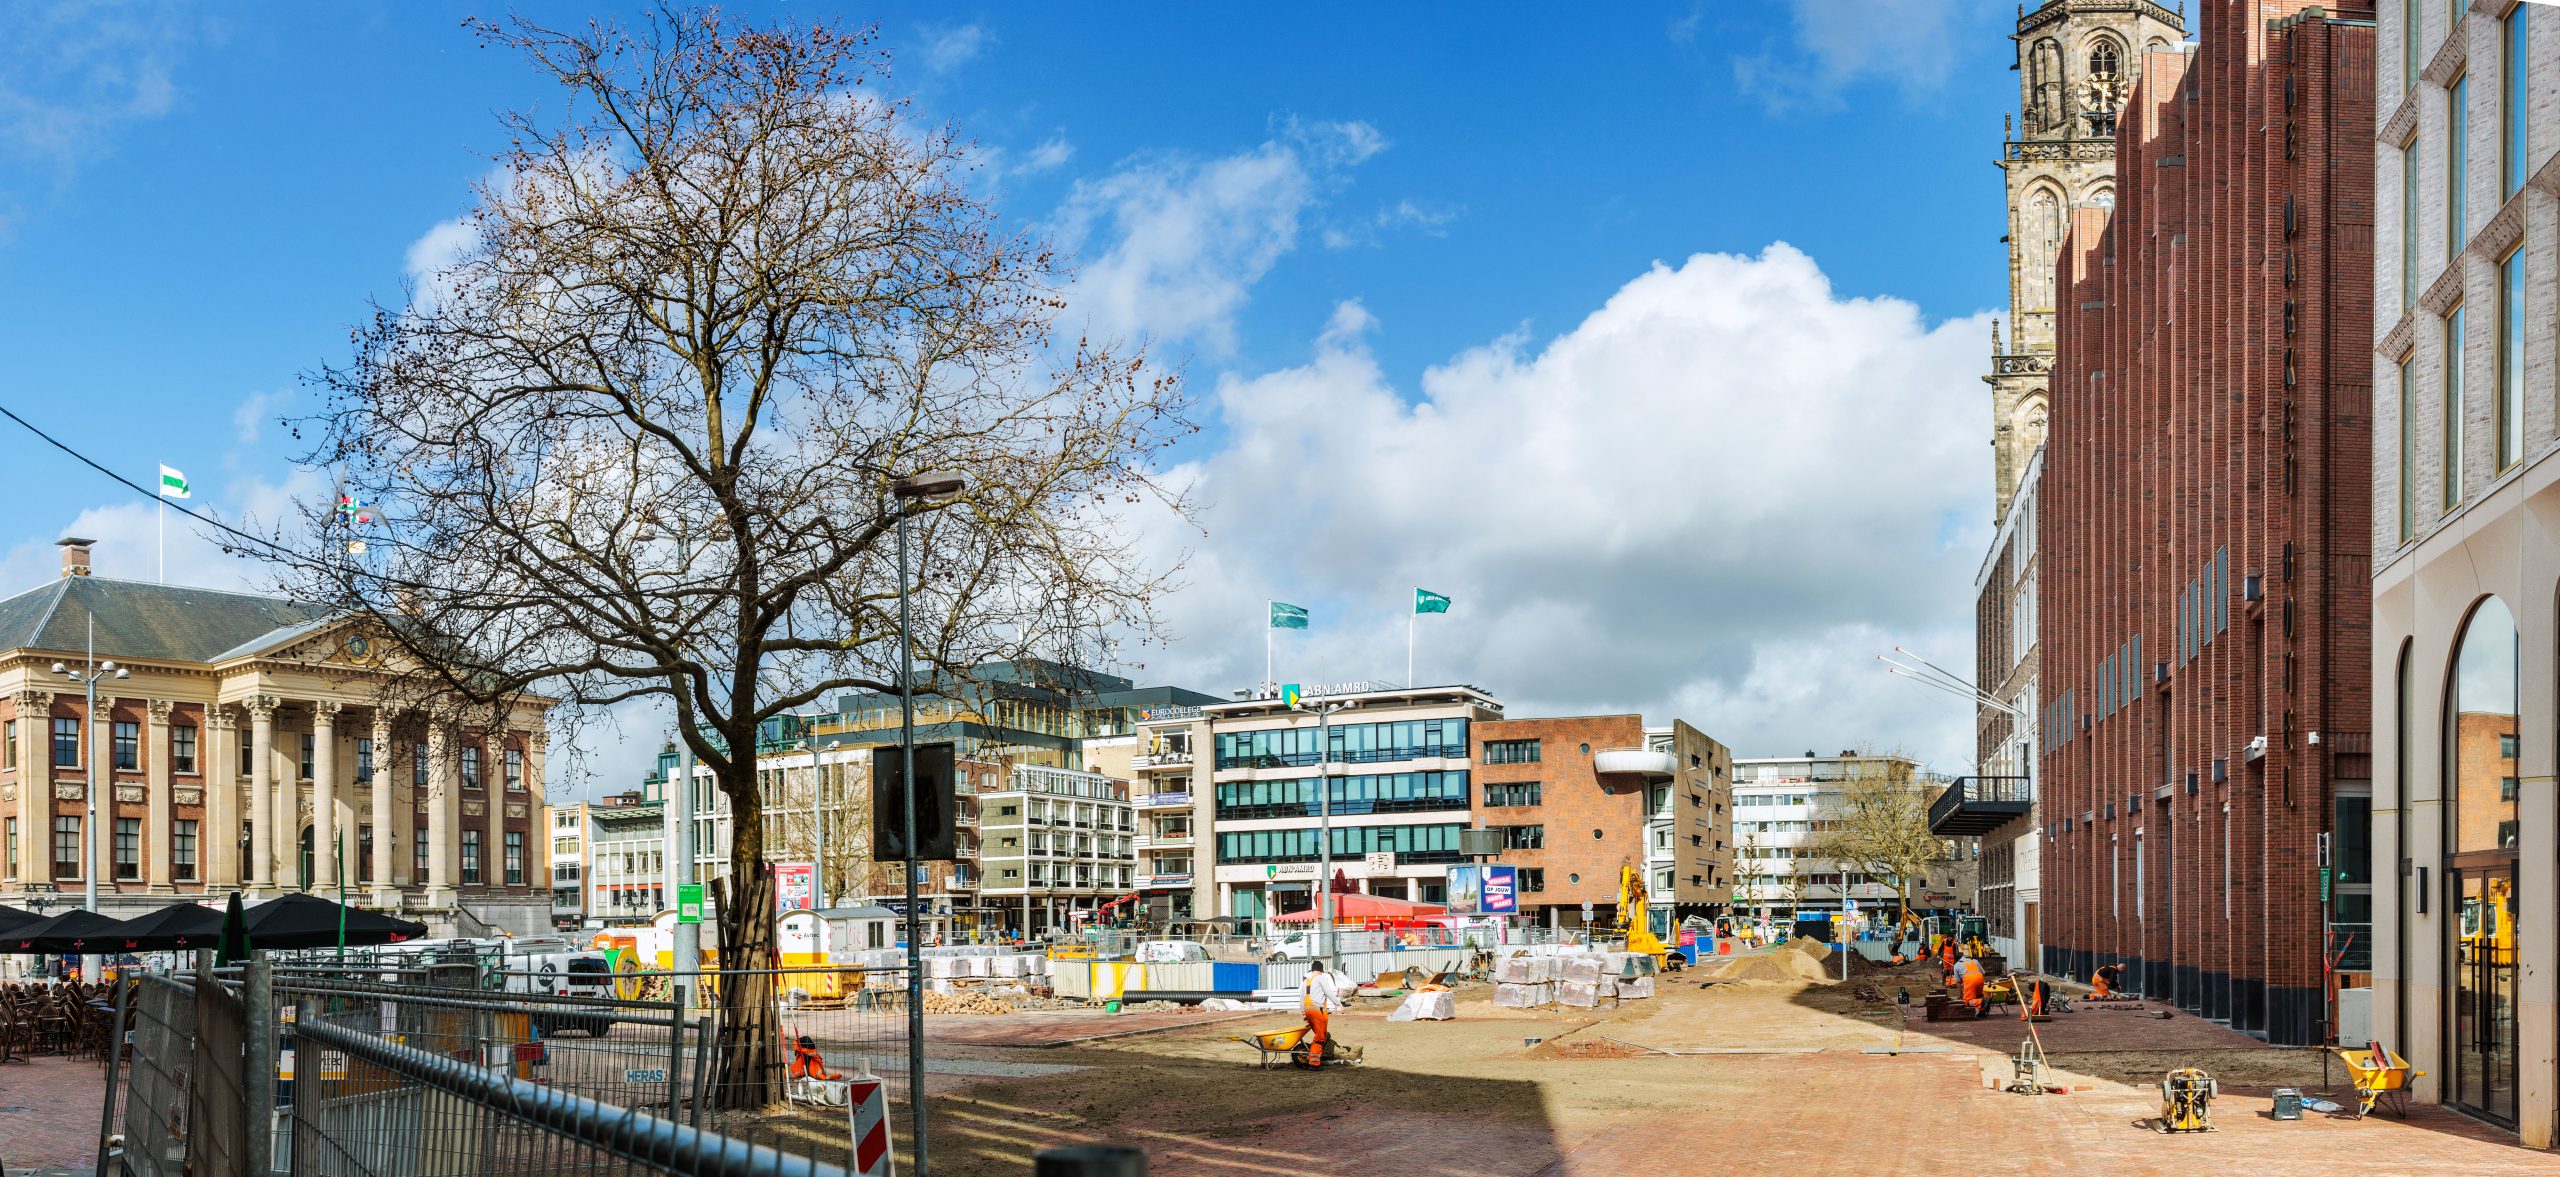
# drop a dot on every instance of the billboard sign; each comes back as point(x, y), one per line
point(1484, 890)
point(795, 886)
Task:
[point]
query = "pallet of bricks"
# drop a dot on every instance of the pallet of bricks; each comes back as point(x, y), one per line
point(1577, 980)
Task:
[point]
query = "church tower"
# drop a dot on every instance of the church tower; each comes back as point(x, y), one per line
point(2076, 60)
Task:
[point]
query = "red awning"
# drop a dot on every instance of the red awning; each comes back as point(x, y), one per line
point(1356, 906)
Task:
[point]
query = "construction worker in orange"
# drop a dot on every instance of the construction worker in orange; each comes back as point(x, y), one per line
point(1974, 984)
point(2106, 981)
point(1947, 960)
point(1318, 996)
point(806, 1063)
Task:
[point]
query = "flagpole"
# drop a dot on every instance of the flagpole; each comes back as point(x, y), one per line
point(164, 536)
point(1409, 683)
point(1266, 643)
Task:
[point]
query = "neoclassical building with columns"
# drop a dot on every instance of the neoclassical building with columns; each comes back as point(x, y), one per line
point(248, 749)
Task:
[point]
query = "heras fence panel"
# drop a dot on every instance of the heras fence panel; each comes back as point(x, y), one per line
point(217, 1123)
point(161, 1085)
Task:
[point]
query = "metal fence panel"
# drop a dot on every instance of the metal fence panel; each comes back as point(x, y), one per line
point(217, 1140)
point(160, 1091)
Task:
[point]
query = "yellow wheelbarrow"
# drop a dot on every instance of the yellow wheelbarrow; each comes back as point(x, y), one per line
point(1283, 1048)
point(2380, 1077)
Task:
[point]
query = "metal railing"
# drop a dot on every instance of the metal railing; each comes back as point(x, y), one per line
point(390, 1109)
point(1981, 790)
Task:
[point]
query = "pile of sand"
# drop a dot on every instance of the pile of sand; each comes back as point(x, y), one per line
point(1795, 960)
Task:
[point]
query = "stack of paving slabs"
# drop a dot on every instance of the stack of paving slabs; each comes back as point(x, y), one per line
point(1524, 981)
point(1579, 984)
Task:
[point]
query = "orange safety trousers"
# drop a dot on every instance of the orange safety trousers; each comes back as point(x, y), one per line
point(1319, 1032)
point(806, 1064)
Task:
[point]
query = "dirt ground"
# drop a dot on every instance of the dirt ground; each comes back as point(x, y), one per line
point(1741, 1077)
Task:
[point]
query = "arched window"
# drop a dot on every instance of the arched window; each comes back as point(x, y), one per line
point(2103, 59)
point(2481, 733)
point(2045, 98)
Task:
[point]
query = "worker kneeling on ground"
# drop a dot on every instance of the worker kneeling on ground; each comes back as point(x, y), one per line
point(1974, 984)
point(2108, 981)
point(1318, 996)
point(806, 1062)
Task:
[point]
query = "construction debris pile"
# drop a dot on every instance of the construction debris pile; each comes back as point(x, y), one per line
point(990, 1002)
point(1579, 980)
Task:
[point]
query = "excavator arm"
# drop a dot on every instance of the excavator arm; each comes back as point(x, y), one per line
point(1632, 898)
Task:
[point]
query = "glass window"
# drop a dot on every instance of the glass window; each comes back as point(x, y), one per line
point(128, 833)
point(182, 748)
point(471, 856)
point(515, 769)
point(1513, 794)
point(310, 745)
point(418, 764)
point(418, 854)
point(515, 858)
point(2511, 360)
point(66, 743)
point(1533, 837)
point(2408, 448)
point(2412, 34)
point(2513, 103)
point(248, 751)
point(2457, 171)
point(1512, 751)
point(9, 748)
point(2408, 225)
point(364, 760)
point(2451, 442)
point(10, 867)
point(470, 767)
point(125, 740)
point(66, 847)
point(2482, 750)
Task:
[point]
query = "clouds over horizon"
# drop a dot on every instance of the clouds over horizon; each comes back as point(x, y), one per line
point(1717, 497)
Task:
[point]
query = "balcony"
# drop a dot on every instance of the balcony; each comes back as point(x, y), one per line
point(1635, 762)
point(1977, 805)
point(1163, 841)
point(1164, 880)
point(1160, 760)
point(1165, 801)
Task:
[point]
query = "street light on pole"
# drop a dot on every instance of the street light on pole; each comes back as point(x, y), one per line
point(912, 492)
point(87, 674)
point(1324, 820)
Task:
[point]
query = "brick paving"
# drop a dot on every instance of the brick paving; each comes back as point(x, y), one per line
point(49, 1115)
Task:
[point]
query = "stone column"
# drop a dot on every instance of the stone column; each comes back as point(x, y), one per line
point(262, 794)
point(155, 832)
point(218, 840)
point(537, 866)
point(378, 871)
point(444, 818)
point(324, 797)
point(35, 785)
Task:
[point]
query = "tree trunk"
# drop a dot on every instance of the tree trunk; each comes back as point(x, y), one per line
point(750, 1037)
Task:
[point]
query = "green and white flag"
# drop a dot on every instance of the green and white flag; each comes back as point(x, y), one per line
point(173, 485)
point(1287, 616)
point(1426, 601)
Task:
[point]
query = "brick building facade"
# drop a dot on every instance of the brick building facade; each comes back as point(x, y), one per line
point(1580, 798)
point(2203, 640)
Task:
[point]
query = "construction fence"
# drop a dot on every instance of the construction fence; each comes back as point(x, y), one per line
point(335, 1072)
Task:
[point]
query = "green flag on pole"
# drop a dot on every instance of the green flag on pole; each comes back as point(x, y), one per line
point(1287, 616)
point(1426, 601)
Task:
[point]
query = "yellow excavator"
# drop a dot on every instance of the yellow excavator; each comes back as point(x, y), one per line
point(1633, 925)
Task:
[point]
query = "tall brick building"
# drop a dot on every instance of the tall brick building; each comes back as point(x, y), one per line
point(2202, 642)
point(1580, 798)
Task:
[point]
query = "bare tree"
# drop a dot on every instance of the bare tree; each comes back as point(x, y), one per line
point(1879, 824)
point(637, 440)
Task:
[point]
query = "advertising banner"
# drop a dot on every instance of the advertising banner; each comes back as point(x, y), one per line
point(795, 886)
point(1484, 890)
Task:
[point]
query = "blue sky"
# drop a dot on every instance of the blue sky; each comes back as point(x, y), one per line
point(1428, 210)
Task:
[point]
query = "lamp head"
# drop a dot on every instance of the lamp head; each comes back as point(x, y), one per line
point(59, 668)
point(934, 486)
point(121, 672)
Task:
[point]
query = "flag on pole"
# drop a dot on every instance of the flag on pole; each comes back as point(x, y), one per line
point(1426, 601)
point(173, 485)
point(1287, 616)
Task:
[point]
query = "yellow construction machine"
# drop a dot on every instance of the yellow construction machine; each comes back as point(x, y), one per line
point(1632, 923)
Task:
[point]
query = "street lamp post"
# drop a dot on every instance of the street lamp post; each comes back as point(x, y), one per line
point(1324, 822)
point(911, 492)
point(87, 676)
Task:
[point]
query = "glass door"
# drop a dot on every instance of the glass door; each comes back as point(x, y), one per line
point(2484, 993)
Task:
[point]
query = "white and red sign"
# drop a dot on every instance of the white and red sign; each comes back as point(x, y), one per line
point(866, 1100)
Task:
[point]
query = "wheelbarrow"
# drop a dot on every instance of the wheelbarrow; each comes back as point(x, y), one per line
point(1289, 1048)
point(2380, 1076)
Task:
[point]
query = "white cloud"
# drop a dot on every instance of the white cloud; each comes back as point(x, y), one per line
point(72, 69)
point(1430, 220)
point(249, 419)
point(1173, 245)
point(128, 535)
point(1053, 152)
point(1717, 497)
point(948, 47)
point(1908, 43)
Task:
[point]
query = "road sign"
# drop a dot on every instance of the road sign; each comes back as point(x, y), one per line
point(688, 903)
point(1849, 905)
point(1586, 911)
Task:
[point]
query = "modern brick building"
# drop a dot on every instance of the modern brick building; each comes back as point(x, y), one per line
point(2464, 857)
point(1581, 798)
point(2203, 633)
